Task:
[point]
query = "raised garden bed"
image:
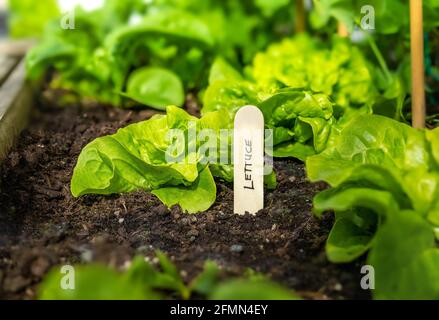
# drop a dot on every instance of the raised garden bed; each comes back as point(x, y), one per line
point(111, 180)
point(42, 225)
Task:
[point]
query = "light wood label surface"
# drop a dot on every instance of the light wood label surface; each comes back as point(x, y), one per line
point(248, 159)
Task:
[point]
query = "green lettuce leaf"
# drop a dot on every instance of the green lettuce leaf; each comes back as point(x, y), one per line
point(385, 184)
point(138, 157)
point(300, 121)
point(405, 259)
point(340, 70)
point(155, 87)
point(198, 197)
point(251, 290)
point(222, 70)
point(144, 281)
point(369, 140)
point(28, 18)
point(347, 241)
point(95, 282)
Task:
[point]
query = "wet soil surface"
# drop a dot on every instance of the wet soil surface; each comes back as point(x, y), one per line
point(42, 225)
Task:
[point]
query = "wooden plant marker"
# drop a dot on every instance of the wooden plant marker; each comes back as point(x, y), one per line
point(300, 16)
point(248, 159)
point(343, 30)
point(417, 54)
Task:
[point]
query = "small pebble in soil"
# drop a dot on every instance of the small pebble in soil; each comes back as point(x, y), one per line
point(126, 265)
point(40, 266)
point(87, 255)
point(236, 248)
point(162, 210)
point(142, 249)
point(30, 292)
point(222, 216)
point(83, 234)
point(193, 233)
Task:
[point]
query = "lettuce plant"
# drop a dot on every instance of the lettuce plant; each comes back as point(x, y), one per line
point(143, 281)
point(110, 54)
point(385, 194)
point(303, 86)
point(339, 70)
point(102, 66)
point(28, 18)
point(300, 120)
point(174, 156)
point(145, 156)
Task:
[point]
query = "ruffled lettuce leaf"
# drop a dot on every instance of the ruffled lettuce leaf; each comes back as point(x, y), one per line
point(369, 139)
point(300, 120)
point(138, 158)
point(96, 58)
point(340, 71)
point(405, 258)
point(196, 198)
point(385, 187)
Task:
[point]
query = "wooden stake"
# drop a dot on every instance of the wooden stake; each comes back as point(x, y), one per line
point(417, 55)
point(343, 30)
point(300, 16)
point(248, 161)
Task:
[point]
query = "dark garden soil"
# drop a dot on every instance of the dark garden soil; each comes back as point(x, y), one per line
point(42, 225)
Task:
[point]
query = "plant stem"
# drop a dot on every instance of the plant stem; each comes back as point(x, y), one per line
point(379, 57)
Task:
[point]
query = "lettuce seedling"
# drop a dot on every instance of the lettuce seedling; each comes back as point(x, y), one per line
point(143, 281)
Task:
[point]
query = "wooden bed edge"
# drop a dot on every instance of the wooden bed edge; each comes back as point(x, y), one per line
point(15, 106)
